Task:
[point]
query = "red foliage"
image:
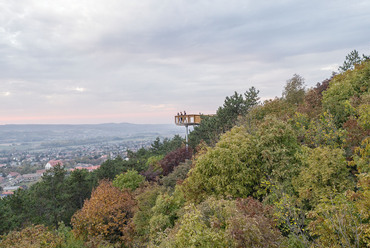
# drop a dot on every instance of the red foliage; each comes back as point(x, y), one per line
point(254, 226)
point(355, 134)
point(152, 173)
point(174, 158)
point(312, 100)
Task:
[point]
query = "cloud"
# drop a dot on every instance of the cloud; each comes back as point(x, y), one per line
point(155, 56)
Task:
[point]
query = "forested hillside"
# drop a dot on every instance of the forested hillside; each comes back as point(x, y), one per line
point(287, 172)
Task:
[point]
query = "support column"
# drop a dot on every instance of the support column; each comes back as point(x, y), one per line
point(186, 136)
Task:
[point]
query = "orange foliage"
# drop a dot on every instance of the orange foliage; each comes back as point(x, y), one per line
point(31, 237)
point(106, 215)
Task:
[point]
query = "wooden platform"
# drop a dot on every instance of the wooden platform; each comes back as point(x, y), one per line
point(187, 120)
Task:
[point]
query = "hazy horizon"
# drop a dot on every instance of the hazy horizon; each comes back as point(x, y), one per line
point(90, 62)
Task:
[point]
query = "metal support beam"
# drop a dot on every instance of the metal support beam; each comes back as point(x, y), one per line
point(186, 136)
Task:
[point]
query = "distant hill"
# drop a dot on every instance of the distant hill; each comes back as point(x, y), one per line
point(44, 134)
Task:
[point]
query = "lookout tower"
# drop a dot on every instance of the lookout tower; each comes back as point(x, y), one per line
point(187, 120)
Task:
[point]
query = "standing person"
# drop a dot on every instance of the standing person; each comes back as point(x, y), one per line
point(184, 112)
point(180, 117)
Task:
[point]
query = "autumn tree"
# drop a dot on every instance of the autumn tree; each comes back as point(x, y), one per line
point(34, 236)
point(106, 215)
point(178, 175)
point(225, 223)
point(174, 158)
point(312, 102)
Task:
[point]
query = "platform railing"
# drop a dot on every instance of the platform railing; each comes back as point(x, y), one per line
point(189, 119)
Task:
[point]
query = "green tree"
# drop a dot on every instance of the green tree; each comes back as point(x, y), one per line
point(129, 180)
point(230, 168)
point(323, 132)
point(294, 90)
point(352, 59)
point(79, 186)
point(341, 98)
point(15, 210)
point(361, 158)
point(53, 205)
point(165, 212)
point(240, 160)
point(326, 175)
point(234, 106)
point(110, 168)
point(146, 200)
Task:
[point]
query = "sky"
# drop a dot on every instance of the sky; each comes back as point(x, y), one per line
point(95, 61)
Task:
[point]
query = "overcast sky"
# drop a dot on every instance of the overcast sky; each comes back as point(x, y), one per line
point(95, 61)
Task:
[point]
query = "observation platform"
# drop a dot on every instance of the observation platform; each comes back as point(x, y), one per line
point(187, 120)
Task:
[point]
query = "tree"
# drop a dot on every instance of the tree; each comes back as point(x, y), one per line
point(325, 175)
point(165, 212)
point(51, 199)
point(240, 160)
point(225, 223)
point(338, 222)
point(234, 106)
point(323, 132)
point(174, 158)
point(352, 59)
point(230, 168)
point(178, 175)
point(15, 211)
point(32, 237)
point(79, 185)
point(146, 200)
point(341, 98)
point(106, 215)
point(294, 90)
point(312, 103)
point(130, 180)
point(110, 168)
